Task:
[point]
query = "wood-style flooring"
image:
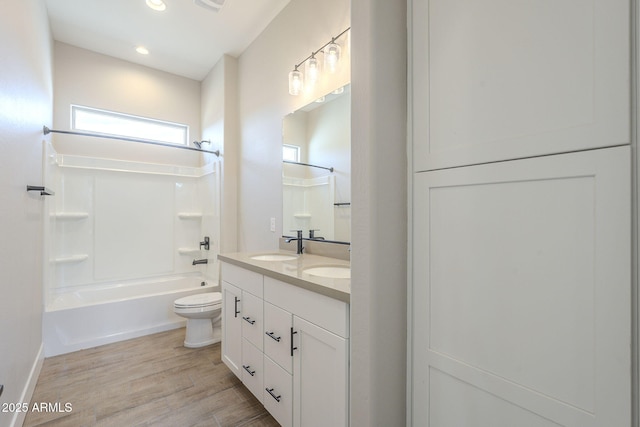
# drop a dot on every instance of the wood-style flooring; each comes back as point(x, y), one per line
point(148, 381)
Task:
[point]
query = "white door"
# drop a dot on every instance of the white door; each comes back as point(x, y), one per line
point(498, 79)
point(232, 328)
point(521, 293)
point(320, 376)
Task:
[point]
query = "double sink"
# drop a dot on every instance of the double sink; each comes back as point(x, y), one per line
point(328, 271)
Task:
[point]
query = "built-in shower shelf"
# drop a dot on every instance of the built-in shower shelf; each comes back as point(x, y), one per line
point(70, 215)
point(71, 259)
point(190, 215)
point(188, 251)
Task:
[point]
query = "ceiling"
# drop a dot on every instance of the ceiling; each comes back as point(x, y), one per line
point(185, 39)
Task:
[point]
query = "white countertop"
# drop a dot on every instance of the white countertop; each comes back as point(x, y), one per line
point(292, 271)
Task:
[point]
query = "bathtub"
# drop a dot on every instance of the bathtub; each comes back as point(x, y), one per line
point(79, 319)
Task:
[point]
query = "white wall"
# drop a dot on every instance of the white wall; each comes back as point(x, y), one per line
point(219, 118)
point(379, 209)
point(95, 80)
point(25, 106)
point(303, 26)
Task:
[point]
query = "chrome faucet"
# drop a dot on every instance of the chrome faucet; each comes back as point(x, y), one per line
point(299, 239)
point(200, 261)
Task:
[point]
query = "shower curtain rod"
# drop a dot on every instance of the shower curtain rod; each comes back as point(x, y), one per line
point(47, 131)
point(307, 164)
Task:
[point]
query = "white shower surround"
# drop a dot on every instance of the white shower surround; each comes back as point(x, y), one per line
point(121, 238)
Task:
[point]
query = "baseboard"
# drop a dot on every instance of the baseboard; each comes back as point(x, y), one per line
point(29, 387)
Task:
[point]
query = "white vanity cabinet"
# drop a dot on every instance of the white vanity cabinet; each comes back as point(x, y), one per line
point(299, 367)
point(242, 316)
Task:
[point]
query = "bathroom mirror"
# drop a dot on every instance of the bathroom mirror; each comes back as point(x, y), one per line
point(316, 170)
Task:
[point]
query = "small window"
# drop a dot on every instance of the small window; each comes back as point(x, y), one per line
point(117, 124)
point(290, 153)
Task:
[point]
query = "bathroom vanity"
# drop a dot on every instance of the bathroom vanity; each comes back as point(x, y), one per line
point(286, 333)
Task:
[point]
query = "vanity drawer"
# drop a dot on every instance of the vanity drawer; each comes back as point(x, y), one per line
point(277, 340)
point(252, 319)
point(244, 279)
point(253, 369)
point(278, 392)
point(326, 312)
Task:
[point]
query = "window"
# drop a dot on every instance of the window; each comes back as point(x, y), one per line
point(117, 124)
point(290, 153)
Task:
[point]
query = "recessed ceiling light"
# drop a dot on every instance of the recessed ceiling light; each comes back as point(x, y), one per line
point(142, 50)
point(156, 5)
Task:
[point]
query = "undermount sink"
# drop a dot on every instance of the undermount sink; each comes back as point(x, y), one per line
point(273, 257)
point(332, 271)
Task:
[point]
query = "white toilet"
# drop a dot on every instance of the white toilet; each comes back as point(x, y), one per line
point(203, 313)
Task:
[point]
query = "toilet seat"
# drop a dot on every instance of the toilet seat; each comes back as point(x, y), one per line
point(208, 299)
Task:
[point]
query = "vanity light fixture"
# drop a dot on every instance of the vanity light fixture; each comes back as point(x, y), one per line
point(313, 70)
point(332, 55)
point(156, 5)
point(296, 81)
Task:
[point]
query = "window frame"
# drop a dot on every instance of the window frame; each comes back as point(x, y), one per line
point(291, 147)
point(180, 127)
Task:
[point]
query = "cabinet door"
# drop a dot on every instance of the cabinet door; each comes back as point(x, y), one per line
point(495, 81)
point(277, 339)
point(253, 369)
point(231, 328)
point(521, 293)
point(320, 377)
point(278, 394)
point(252, 323)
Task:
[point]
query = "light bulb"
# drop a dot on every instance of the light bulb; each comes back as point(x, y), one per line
point(331, 57)
point(296, 82)
point(156, 5)
point(313, 70)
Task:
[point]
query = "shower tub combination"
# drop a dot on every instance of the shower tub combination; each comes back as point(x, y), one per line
point(87, 318)
point(122, 240)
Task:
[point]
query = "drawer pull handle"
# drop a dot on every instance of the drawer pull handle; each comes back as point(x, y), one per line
point(271, 334)
point(248, 369)
point(270, 391)
point(292, 347)
point(236, 307)
point(248, 319)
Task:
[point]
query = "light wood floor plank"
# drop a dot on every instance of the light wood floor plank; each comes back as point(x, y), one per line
point(148, 381)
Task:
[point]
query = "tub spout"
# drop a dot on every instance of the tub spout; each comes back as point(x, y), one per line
point(200, 261)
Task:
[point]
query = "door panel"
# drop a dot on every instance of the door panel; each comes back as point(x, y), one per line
point(231, 328)
point(496, 80)
point(321, 377)
point(522, 290)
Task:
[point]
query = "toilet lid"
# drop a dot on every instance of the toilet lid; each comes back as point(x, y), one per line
point(199, 300)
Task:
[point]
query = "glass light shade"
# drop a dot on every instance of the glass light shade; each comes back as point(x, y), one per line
point(313, 70)
point(296, 82)
point(156, 5)
point(331, 57)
